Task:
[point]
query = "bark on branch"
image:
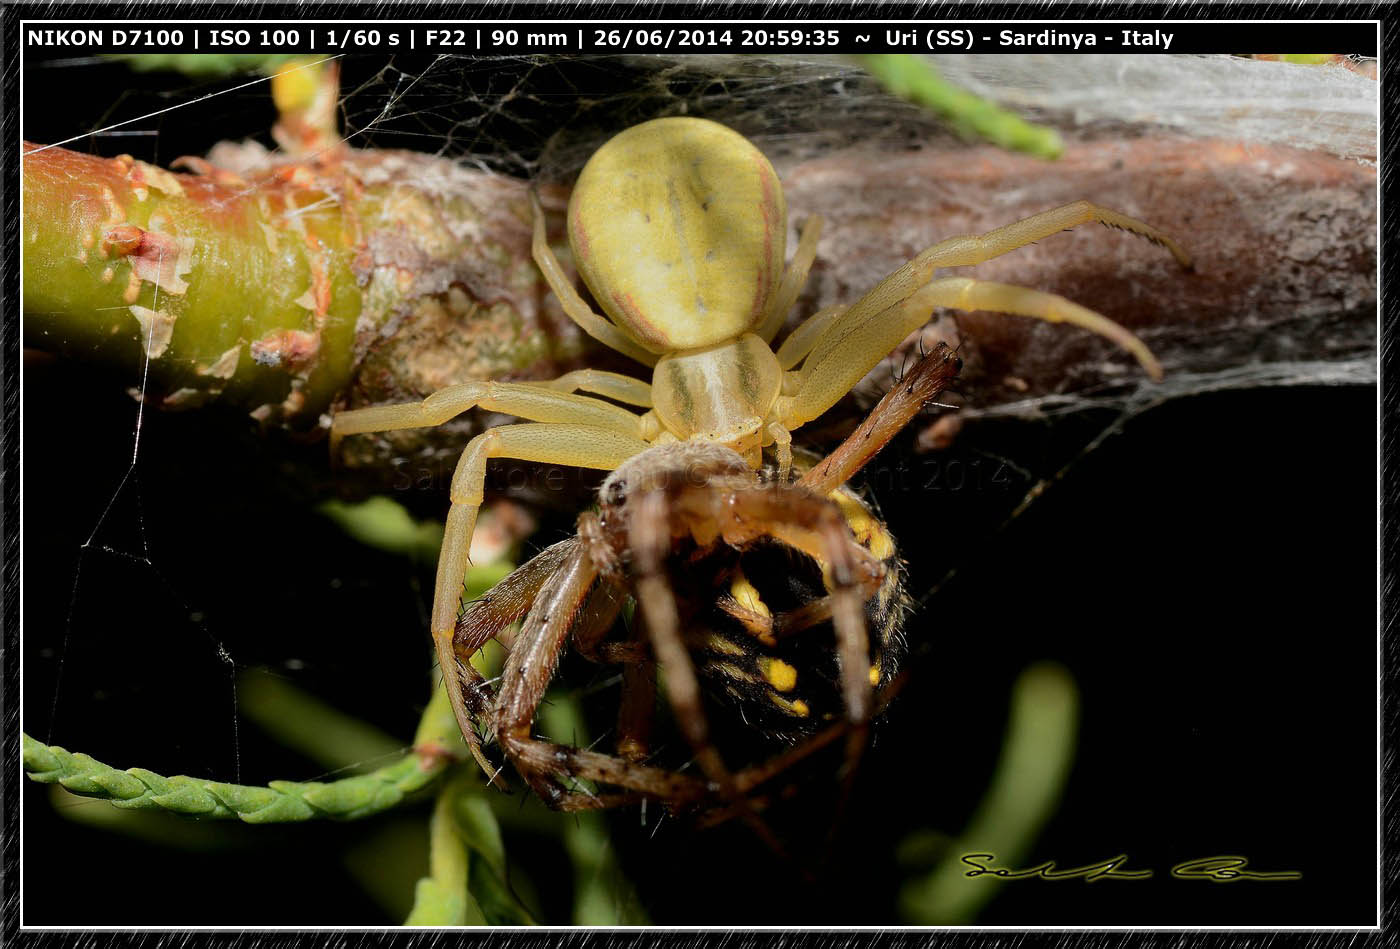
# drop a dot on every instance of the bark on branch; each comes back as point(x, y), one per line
point(293, 286)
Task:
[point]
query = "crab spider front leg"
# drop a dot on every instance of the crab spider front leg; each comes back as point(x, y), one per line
point(801, 340)
point(834, 368)
point(578, 431)
point(575, 445)
point(854, 342)
point(614, 385)
point(531, 400)
point(978, 248)
point(586, 433)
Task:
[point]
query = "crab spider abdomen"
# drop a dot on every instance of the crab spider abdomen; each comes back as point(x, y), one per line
point(679, 228)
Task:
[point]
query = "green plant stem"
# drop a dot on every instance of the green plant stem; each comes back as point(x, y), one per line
point(481, 835)
point(271, 287)
point(300, 721)
point(466, 883)
point(383, 523)
point(602, 894)
point(914, 78)
point(280, 802)
point(1029, 779)
point(443, 897)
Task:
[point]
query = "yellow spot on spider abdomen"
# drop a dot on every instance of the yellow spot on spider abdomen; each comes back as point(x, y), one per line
point(679, 227)
point(875, 674)
point(868, 531)
point(796, 708)
point(777, 673)
point(748, 596)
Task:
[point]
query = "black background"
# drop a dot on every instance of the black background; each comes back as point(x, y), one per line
point(1208, 577)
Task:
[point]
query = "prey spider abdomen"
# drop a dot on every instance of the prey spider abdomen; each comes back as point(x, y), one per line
point(673, 528)
point(762, 638)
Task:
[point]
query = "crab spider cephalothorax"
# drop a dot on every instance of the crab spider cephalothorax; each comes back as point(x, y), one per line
point(678, 228)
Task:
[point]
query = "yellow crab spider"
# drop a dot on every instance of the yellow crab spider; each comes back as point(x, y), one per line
point(678, 227)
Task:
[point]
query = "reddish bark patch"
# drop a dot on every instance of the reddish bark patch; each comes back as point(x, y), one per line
point(290, 349)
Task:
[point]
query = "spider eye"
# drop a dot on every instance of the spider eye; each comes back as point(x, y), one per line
point(957, 361)
point(618, 492)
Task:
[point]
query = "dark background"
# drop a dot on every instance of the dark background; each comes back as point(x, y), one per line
point(1207, 577)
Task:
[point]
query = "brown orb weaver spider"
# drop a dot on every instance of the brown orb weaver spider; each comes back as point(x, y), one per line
point(678, 227)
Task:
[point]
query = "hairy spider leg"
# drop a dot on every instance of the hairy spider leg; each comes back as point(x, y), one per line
point(610, 594)
point(512, 598)
point(794, 279)
point(600, 328)
point(650, 541)
point(552, 593)
point(527, 674)
point(478, 623)
point(929, 376)
point(884, 609)
point(923, 381)
point(766, 771)
point(509, 601)
point(579, 446)
point(638, 705)
point(575, 430)
point(596, 620)
point(855, 342)
point(650, 534)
